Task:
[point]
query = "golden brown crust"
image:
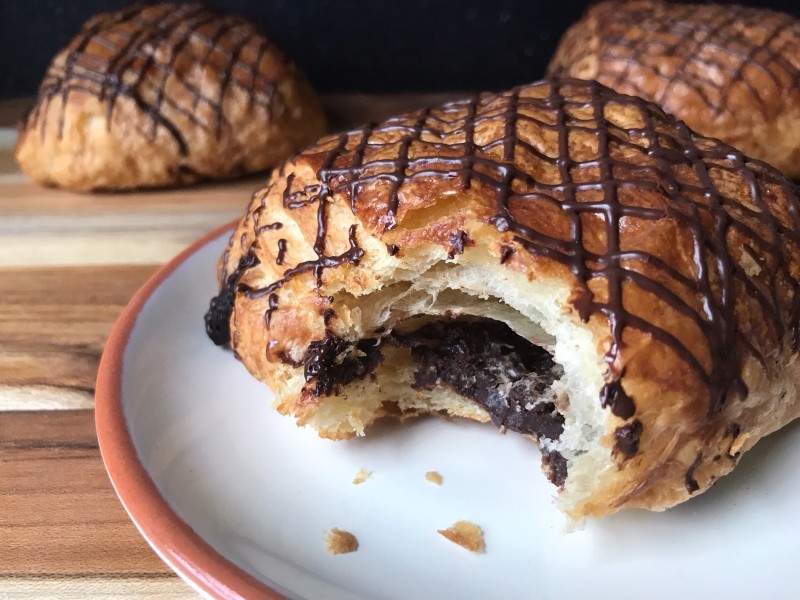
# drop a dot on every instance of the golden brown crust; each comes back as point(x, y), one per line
point(465, 534)
point(678, 254)
point(162, 95)
point(434, 477)
point(338, 541)
point(728, 71)
point(361, 476)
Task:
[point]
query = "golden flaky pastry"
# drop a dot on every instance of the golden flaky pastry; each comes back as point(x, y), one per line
point(729, 72)
point(570, 263)
point(162, 95)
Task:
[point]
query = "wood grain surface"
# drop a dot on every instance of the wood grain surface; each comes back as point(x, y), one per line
point(69, 263)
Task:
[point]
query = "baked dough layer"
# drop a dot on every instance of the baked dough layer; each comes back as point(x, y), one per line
point(660, 269)
point(162, 95)
point(729, 72)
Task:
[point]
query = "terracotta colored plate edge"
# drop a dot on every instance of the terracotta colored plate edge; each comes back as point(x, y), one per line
point(172, 539)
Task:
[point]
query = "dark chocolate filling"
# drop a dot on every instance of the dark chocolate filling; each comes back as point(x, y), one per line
point(333, 362)
point(218, 317)
point(507, 375)
point(487, 362)
point(555, 466)
point(482, 360)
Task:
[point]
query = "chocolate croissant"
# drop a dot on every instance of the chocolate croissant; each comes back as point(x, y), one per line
point(164, 95)
point(567, 262)
point(728, 71)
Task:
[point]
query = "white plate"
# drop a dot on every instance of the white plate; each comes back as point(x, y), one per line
point(261, 492)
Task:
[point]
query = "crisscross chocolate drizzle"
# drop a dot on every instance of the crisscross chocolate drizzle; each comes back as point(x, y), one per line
point(145, 53)
point(688, 47)
point(576, 150)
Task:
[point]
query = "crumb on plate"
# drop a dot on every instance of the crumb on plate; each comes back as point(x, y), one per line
point(338, 541)
point(465, 534)
point(434, 477)
point(361, 476)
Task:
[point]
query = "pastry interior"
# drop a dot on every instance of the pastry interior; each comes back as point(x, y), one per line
point(456, 341)
point(460, 365)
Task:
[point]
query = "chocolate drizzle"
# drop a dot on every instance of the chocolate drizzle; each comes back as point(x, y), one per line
point(281, 252)
point(273, 306)
point(599, 157)
point(269, 227)
point(689, 480)
point(506, 253)
point(352, 256)
point(458, 240)
point(614, 397)
point(144, 53)
point(627, 438)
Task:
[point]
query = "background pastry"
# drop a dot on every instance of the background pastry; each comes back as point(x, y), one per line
point(730, 72)
point(568, 262)
point(162, 95)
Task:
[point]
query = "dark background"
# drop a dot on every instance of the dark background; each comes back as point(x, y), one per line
point(364, 46)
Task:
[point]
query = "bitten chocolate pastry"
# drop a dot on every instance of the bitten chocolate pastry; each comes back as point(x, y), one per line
point(730, 72)
point(564, 261)
point(163, 95)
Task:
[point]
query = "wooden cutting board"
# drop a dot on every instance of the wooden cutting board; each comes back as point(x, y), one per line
point(69, 263)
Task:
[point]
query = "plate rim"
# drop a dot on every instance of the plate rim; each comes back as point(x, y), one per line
point(175, 542)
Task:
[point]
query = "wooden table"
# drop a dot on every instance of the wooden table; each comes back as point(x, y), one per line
point(68, 265)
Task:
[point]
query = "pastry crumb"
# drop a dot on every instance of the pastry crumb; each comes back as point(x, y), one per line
point(434, 477)
point(465, 534)
point(338, 541)
point(361, 476)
